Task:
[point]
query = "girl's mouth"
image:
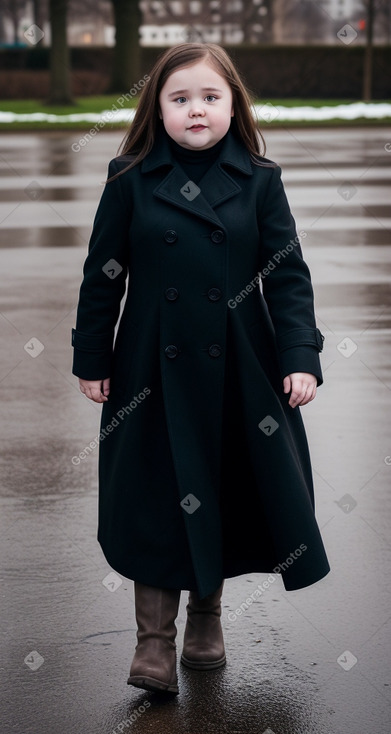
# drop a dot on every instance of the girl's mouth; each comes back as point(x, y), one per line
point(197, 127)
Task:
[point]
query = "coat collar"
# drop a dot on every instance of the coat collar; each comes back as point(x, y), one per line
point(215, 186)
point(233, 153)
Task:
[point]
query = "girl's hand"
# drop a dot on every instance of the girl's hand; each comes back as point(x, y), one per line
point(303, 387)
point(96, 390)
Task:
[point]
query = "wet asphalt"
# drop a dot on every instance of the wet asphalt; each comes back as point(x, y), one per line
point(312, 661)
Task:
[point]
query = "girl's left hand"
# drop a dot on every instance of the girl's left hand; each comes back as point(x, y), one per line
point(302, 386)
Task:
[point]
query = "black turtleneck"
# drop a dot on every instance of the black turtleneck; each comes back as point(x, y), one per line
point(195, 163)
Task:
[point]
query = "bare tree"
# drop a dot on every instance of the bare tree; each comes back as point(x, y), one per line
point(299, 20)
point(40, 12)
point(367, 77)
point(60, 68)
point(92, 12)
point(126, 62)
point(13, 10)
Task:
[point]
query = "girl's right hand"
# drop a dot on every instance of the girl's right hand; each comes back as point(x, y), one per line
point(96, 390)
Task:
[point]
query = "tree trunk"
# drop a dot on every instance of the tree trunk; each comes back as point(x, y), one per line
point(38, 13)
point(367, 80)
point(3, 37)
point(60, 65)
point(126, 62)
point(277, 13)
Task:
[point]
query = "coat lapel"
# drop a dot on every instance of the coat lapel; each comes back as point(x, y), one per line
point(215, 187)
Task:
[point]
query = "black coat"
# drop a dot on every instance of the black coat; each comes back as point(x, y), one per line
point(204, 470)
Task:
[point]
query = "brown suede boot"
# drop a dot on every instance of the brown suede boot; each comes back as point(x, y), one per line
point(203, 644)
point(154, 664)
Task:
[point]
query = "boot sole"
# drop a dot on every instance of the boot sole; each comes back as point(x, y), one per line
point(203, 665)
point(151, 684)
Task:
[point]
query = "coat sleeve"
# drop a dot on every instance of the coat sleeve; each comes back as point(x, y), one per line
point(286, 285)
point(104, 282)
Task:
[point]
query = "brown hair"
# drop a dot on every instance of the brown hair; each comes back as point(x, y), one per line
point(140, 138)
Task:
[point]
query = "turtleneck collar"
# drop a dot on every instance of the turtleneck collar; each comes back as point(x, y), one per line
point(233, 152)
point(187, 154)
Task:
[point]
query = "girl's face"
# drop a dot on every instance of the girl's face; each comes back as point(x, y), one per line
point(196, 106)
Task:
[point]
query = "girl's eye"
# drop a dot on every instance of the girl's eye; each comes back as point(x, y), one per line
point(209, 98)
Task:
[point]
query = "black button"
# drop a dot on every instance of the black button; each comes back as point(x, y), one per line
point(171, 351)
point(170, 236)
point(217, 236)
point(215, 350)
point(214, 294)
point(171, 294)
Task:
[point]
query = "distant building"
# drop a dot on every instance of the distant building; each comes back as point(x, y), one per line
point(341, 9)
point(166, 23)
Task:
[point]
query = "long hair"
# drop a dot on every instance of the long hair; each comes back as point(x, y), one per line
point(140, 138)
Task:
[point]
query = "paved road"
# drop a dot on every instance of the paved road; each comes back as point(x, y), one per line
point(313, 661)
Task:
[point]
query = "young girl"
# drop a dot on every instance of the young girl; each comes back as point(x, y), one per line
point(204, 469)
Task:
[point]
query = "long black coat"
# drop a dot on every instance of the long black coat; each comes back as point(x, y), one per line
point(204, 470)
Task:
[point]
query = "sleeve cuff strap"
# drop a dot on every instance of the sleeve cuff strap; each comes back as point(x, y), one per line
point(301, 337)
point(92, 342)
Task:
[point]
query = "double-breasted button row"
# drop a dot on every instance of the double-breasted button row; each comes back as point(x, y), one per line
point(171, 236)
point(214, 294)
point(172, 351)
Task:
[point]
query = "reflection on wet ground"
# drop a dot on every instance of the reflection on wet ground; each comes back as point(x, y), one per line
point(313, 661)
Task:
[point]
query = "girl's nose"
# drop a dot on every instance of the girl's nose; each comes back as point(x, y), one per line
point(196, 111)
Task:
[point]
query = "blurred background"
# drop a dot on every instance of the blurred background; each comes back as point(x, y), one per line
point(56, 51)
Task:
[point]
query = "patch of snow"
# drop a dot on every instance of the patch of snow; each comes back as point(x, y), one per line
point(266, 113)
